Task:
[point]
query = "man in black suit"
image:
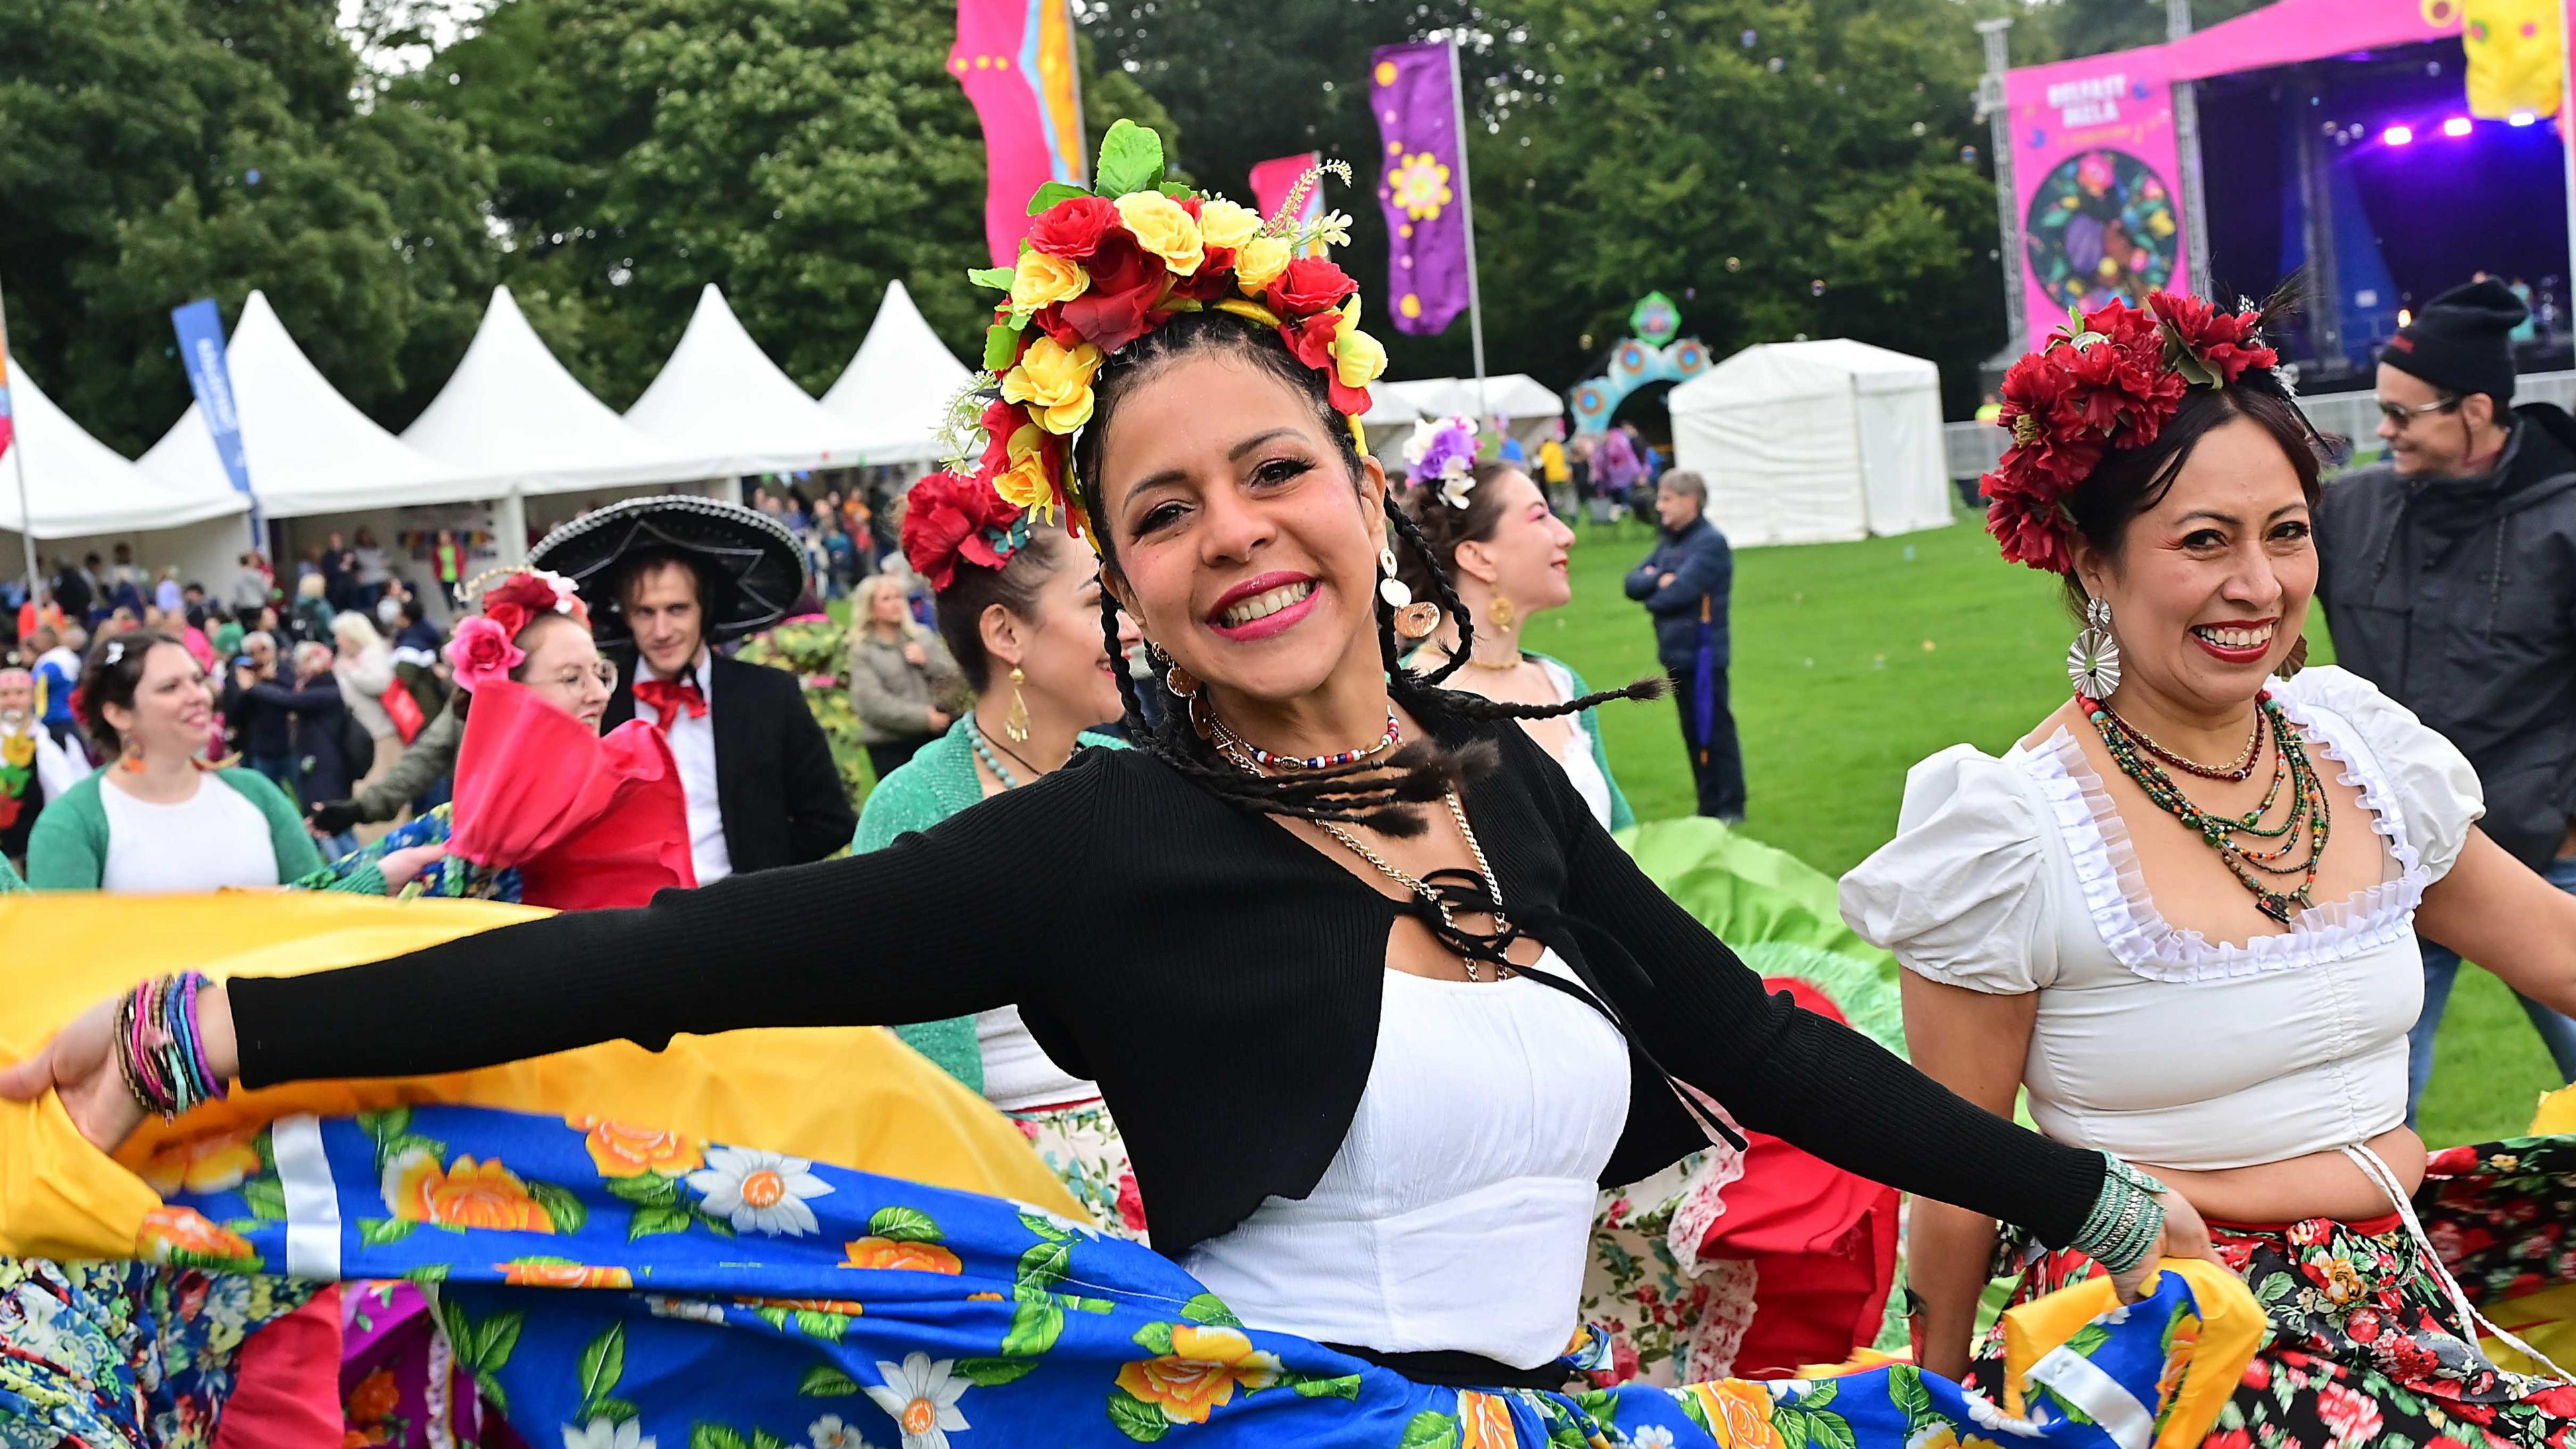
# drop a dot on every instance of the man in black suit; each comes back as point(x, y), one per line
point(762, 789)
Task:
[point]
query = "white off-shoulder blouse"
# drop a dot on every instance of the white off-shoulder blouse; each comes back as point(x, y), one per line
point(2014, 875)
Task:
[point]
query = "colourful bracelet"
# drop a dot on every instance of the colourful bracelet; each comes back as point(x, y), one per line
point(159, 1050)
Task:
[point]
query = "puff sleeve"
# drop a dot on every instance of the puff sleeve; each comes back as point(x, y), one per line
point(1960, 895)
point(2431, 785)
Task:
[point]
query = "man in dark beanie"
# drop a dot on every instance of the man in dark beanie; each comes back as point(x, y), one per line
point(2448, 574)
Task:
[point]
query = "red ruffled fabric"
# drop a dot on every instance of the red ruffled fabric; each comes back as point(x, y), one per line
point(590, 821)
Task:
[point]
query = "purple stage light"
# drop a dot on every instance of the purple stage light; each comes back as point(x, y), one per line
point(2456, 127)
point(2398, 135)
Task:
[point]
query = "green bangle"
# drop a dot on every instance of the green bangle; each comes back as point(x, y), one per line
point(2126, 1220)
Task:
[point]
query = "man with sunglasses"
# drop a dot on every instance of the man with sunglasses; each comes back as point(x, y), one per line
point(2448, 573)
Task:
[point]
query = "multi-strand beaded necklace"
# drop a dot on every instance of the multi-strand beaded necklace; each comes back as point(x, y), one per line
point(2266, 850)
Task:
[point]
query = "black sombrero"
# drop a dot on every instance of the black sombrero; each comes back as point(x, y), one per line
point(755, 569)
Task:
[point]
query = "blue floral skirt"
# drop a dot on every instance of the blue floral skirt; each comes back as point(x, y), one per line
point(730, 1298)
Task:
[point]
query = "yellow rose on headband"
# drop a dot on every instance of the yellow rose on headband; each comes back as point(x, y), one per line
point(1258, 263)
point(1227, 224)
point(1023, 481)
point(1358, 358)
point(1162, 227)
point(1054, 381)
point(1041, 280)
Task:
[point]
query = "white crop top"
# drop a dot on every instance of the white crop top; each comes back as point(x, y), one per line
point(1458, 1213)
point(2015, 875)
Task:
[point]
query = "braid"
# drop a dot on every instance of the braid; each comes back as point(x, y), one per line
point(1423, 695)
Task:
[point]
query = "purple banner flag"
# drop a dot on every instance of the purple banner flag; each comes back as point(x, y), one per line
point(1413, 90)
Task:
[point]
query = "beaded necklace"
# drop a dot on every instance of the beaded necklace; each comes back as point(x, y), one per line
point(2249, 865)
point(1231, 742)
point(2243, 769)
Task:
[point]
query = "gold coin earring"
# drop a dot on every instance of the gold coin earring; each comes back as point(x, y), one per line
point(1016, 723)
point(1413, 619)
point(1505, 614)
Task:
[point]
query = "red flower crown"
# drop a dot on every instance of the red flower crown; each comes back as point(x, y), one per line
point(2111, 379)
point(1100, 268)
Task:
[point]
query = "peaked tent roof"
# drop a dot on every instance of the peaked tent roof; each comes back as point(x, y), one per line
point(720, 398)
point(512, 413)
point(310, 449)
point(77, 485)
point(1776, 370)
point(1507, 395)
point(898, 386)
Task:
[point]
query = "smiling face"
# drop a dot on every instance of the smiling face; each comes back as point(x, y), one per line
point(17, 694)
point(564, 668)
point(2211, 586)
point(1244, 543)
point(172, 710)
point(1525, 560)
point(662, 608)
point(1065, 670)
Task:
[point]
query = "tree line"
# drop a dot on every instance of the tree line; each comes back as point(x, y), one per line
point(1779, 166)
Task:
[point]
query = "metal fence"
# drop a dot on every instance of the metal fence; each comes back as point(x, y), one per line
point(1975, 448)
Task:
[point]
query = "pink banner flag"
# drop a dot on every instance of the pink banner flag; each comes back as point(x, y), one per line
point(1015, 59)
point(2094, 171)
point(8, 415)
point(1273, 179)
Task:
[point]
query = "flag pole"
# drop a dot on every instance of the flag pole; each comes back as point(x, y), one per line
point(18, 457)
point(1467, 213)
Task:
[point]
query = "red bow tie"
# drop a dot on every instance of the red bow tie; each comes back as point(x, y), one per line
point(670, 696)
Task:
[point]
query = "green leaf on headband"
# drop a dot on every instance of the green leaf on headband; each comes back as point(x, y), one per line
point(1178, 190)
point(997, 278)
point(1001, 346)
point(1131, 159)
point(1053, 194)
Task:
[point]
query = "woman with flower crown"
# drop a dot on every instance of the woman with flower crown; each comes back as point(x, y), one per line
point(546, 810)
point(1018, 606)
point(1376, 1001)
point(2206, 845)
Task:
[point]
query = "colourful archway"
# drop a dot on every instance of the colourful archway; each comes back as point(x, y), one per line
point(1634, 364)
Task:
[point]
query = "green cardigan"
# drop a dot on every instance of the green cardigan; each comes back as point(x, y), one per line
point(1621, 817)
point(67, 851)
point(937, 782)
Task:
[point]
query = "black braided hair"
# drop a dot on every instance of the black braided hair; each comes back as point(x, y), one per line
point(1381, 795)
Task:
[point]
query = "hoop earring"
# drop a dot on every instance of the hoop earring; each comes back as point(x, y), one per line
point(2093, 661)
point(1505, 614)
point(2296, 659)
point(1417, 619)
point(1016, 723)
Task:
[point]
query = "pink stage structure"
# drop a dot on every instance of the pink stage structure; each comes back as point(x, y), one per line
point(2379, 150)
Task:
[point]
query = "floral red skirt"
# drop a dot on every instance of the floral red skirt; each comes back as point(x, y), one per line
point(2366, 1349)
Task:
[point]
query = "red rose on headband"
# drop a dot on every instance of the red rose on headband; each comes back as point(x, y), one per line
point(1121, 305)
point(2225, 342)
point(1310, 285)
point(1073, 227)
point(944, 520)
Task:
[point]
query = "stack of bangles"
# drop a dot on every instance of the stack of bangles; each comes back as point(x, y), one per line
point(159, 1050)
point(2127, 1220)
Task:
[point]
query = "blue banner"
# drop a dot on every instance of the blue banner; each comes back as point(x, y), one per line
point(201, 349)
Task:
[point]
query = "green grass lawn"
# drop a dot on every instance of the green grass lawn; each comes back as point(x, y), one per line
point(1852, 661)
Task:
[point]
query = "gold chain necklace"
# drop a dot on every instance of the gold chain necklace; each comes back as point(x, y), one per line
point(1415, 885)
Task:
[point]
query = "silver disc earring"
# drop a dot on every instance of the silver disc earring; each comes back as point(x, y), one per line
point(1389, 586)
point(2093, 661)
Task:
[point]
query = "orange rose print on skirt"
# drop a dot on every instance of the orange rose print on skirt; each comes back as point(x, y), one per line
point(467, 1194)
point(619, 1150)
point(1201, 1372)
point(888, 1253)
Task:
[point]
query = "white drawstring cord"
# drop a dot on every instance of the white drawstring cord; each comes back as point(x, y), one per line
point(2379, 1172)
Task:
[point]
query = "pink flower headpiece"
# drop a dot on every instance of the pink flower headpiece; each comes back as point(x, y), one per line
point(484, 646)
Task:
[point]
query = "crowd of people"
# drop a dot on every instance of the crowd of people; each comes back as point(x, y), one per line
point(1231, 845)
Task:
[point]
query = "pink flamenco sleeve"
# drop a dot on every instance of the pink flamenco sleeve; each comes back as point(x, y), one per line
point(587, 821)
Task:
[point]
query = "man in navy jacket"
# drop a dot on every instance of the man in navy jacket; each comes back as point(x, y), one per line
point(1684, 584)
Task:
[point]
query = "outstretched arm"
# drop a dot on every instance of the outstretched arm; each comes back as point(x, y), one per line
point(2496, 911)
point(914, 932)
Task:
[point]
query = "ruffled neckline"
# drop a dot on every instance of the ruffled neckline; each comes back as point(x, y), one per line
point(2115, 889)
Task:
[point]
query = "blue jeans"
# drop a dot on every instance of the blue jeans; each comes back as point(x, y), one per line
point(2442, 968)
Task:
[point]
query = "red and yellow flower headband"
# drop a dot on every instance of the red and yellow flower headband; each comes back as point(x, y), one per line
point(1104, 266)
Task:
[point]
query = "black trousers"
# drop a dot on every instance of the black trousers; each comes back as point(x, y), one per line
point(1717, 763)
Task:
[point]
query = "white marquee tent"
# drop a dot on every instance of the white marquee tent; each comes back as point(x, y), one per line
point(1512, 396)
point(78, 486)
point(721, 399)
point(1812, 442)
point(514, 415)
point(310, 450)
point(897, 388)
